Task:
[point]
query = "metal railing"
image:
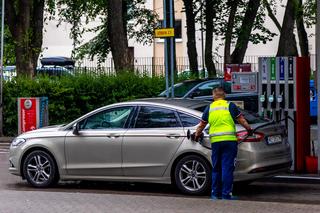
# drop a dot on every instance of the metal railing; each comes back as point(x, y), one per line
point(152, 66)
point(155, 65)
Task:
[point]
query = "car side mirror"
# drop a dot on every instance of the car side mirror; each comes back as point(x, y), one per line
point(75, 129)
point(195, 94)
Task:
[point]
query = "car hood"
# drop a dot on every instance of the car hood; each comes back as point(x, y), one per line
point(49, 128)
point(47, 131)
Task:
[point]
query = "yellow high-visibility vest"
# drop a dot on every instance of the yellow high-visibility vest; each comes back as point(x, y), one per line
point(222, 126)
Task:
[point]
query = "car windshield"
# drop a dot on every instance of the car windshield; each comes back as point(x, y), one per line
point(251, 117)
point(180, 89)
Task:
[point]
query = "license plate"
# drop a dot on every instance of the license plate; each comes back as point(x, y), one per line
point(274, 139)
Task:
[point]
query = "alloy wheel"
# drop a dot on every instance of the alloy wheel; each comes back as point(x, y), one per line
point(39, 169)
point(193, 175)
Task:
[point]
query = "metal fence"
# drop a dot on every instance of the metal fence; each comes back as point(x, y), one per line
point(155, 65)
point(152, 66)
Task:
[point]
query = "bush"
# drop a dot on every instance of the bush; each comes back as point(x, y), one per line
point(73, 96)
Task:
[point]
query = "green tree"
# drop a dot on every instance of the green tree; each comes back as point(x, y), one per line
point(210, 15)
point(120, 21)
point(25, 20)
point(233, 21)
point(245, 23)
point(191, 10)
point(9, 57)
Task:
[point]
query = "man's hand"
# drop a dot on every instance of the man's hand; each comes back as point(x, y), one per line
point(198, 134)
point(193, 136)
point(250, 132)
point(196, 137)
point(241, 120)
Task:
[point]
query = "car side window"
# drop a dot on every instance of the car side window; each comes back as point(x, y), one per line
point(188, 120)
point(108, 119)
point(156, 117)
point(206, 89)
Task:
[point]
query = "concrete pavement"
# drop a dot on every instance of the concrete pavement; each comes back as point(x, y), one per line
point(40, 202)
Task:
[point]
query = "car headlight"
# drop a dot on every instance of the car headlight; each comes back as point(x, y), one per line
point(17, 142)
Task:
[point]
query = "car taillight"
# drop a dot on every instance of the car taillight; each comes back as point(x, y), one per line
point(256, 137)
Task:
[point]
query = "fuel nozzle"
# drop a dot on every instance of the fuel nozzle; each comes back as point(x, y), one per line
point(263, 97)
point(271, 98)
point(280, 98)
point(192, 136)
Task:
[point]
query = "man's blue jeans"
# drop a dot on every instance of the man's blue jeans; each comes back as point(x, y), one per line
point(223, 163)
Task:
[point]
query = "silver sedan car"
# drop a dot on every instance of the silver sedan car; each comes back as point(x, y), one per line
point(142, 141)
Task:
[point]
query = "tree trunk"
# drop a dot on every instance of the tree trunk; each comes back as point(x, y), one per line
point(287, 43)
point(210, 13)
point(191, 35)
point(25, 21)
point(233, 4)
point(271, 15)
point(245, 31)
point(117, 36)
point(302, 34)
point(37, 26)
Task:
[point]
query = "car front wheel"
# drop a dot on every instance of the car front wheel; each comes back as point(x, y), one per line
point(193, 175)
point(39, 169)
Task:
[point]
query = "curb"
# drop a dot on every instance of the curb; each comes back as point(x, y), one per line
point(301, 178)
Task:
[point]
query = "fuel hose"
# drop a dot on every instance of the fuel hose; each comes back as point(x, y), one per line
point(201, 142)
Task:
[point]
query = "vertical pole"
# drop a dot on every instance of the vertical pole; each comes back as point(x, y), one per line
point(166, 48)
point(202, 44)
point(318, 79)
point(1, 75)
point(172, 43)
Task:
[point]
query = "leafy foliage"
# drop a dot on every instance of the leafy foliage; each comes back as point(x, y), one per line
point(260, 33)
point(9, 54)
point(73, 96)
point(140, 24)
point(309, 9)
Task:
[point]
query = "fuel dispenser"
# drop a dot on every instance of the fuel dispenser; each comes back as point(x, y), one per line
point(263, 85)
point(284, 93)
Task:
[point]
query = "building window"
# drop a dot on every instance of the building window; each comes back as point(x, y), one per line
point(177, 30)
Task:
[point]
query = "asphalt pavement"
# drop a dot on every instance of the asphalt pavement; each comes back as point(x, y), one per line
point(270, 195)
point(39, 202)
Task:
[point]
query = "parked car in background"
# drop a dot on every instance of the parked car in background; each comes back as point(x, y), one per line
point(56, 66)
point(9, 72)
point(201, 89)
point(313, 102)
point(142, 141)
point(188, 74)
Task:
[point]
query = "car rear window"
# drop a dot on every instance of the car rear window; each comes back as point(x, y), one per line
point(188, 120)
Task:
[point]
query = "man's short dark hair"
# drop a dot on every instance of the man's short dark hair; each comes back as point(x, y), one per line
point(219, 92)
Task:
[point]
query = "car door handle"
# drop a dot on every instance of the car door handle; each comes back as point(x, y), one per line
point(173, 136)
point(113, 136)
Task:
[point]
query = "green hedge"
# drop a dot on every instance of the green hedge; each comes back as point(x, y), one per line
point(72, 96)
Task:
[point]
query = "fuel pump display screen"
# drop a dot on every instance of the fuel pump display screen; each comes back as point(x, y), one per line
point(244, 82)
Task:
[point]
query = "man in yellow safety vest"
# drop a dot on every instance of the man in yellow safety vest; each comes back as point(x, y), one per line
point(221, 116)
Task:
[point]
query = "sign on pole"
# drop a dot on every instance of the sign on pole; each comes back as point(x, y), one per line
point(32, 113)
point(164, 32)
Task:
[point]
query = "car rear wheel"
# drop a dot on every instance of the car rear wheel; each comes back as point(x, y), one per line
point(193, 175)
point(40, 169)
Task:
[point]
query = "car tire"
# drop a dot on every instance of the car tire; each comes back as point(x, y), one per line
point(192, 175)
point(40, 169)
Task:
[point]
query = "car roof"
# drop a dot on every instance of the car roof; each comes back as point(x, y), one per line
point(201, 80)
point(180, 102)
point(58, 60)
